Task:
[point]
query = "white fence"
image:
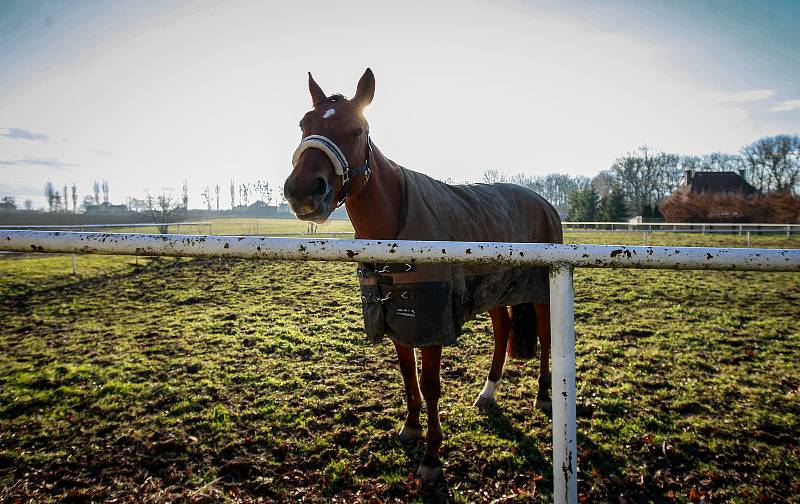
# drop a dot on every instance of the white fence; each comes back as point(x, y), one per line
point(561, 259)
point(683, 227)
point(80, 227)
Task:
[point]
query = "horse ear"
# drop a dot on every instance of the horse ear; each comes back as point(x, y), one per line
point(365, 90)
point(317, 94)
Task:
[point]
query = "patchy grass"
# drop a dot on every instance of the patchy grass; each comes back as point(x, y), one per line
point(212, 380)
point(238, 226)
point(245, 226)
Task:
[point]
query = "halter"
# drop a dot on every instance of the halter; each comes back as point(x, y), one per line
point(338, 159)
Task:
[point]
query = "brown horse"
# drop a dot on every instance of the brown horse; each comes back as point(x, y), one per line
point(337, 163)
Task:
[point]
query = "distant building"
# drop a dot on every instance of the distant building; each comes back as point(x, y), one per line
point(704, 182)
point(714, 197)
point(106, 208)
point(257, 209)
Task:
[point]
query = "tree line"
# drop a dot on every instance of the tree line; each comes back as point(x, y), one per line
point(212, 197)
point(638, 181)
point(59, 200)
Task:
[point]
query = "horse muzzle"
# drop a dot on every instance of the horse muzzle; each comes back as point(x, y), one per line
point(314, 210)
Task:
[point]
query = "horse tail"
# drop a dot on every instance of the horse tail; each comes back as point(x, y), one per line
point(522, 337)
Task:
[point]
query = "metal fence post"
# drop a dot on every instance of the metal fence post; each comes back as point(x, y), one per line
point(562, 328)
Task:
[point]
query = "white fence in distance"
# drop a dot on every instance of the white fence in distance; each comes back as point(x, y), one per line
point(683, 227)
point(559, 258)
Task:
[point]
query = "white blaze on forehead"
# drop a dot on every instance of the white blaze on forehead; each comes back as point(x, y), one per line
point(328, 113)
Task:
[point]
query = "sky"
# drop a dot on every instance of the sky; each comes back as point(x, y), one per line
point(149, 94)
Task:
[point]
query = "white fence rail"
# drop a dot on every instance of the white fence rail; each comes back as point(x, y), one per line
point(80, 227)
point(561, 259)
point(683, 227)
point(107, 226)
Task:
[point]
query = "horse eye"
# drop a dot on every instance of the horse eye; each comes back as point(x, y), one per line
point(357, 133)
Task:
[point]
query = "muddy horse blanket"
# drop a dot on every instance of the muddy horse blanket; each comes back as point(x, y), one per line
point(426, 304)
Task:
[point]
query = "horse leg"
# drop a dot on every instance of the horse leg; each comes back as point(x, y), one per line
point(501, 325)
point(543, 401)
point(412, 429)
point(431, 467)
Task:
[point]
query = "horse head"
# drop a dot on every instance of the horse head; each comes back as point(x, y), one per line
point(332, 160)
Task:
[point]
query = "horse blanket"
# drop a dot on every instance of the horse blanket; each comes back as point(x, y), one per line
point(426, 304)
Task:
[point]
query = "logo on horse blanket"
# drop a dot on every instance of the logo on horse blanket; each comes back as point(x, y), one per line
point(427, 304)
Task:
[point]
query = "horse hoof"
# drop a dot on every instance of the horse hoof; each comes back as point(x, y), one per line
point(485, 402)
point(429, 474)
point(410, 433)
point(544, 406)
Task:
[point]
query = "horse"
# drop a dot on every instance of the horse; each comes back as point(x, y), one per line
point(337, 164)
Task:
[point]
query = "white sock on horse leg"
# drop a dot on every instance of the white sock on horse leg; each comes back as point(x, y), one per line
point(489, 389)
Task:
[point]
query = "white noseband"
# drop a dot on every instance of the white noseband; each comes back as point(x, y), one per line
point(338, 160)
point(327, 146)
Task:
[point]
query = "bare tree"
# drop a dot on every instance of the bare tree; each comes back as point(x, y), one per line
point(96, 189)
point(604, 182)
point(554, 187)
point(669, 172)
point(185, 194)
point(66, 198)
point(722, 161)
point(207, 198)
point(491, 176)
point(163, 208)
point(28, 204)
point(135, 204)
point(233, 195)
point(244, 193)
point(105, 191)
point(263, 189)
point(773, 163)
point(638, 175)
point(74, 198)
point(692, 162)
point(50, 194)
point(216, 195)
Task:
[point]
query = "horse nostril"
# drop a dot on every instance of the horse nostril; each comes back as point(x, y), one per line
point(321, 187)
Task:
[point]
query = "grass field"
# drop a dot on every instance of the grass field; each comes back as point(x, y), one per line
point(248, 226)
point(228, 380)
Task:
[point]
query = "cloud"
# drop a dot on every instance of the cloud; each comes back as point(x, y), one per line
point(43, 162)
point(786, 106)
point(23, 134)
point(749, 96)
point(101, 152)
